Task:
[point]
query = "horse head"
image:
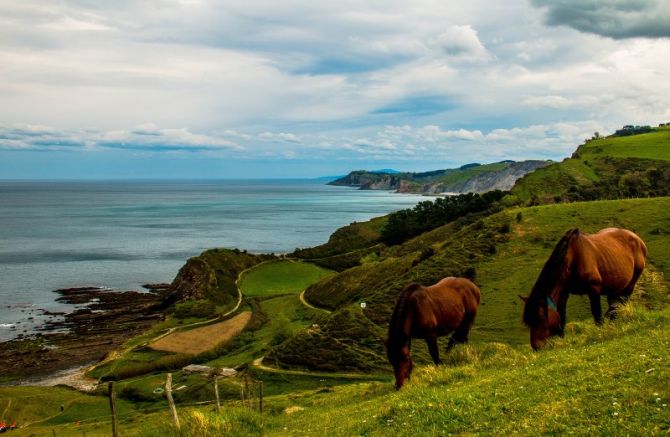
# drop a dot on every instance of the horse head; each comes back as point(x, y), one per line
point(543, 320)
point(400, 359)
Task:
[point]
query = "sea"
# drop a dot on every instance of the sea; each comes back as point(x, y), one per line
point(122, 234)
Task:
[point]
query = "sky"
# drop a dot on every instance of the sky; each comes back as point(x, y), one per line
point(302, 88)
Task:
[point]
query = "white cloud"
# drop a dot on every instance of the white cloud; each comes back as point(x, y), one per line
point(403, 79)
point(461, 42)
point(280, 136)
point(143, 137)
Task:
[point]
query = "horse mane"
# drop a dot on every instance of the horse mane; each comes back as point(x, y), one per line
point(396, 335)
point(551, 274)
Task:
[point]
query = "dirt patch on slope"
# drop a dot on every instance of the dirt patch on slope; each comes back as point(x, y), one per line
point(200, 340)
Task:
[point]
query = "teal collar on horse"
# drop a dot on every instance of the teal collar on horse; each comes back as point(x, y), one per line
point(551, 304)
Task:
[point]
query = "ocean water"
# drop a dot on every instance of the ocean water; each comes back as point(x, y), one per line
point(123, 234)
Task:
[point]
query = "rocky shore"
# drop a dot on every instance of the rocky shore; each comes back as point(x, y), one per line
point(101, 322)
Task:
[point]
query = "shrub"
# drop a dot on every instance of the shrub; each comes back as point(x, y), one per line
point(195, 308)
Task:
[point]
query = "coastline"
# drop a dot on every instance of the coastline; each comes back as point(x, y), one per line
point(102, 322)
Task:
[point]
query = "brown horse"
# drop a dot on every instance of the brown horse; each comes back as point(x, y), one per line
point(429, 312)
point(608, 263)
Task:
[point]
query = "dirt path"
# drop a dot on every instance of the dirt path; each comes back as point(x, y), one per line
point(200, 340)
point(258, 363)
point(309, 305)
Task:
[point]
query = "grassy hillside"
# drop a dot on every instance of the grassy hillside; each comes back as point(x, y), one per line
point(491, 250)
point(610, 167)
point(610, 380)
point(582, 384)
point(652, 145)
point(346, 246)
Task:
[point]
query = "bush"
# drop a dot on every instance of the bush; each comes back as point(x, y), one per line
point(195, 308)
point(134, 394)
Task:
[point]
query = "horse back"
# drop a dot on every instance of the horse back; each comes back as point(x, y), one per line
point(446, 304)
point(613, 255)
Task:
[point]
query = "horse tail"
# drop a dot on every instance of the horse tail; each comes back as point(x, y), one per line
point(400, 314)
point(551, 274)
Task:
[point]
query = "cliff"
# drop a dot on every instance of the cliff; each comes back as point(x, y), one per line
point(470, 178)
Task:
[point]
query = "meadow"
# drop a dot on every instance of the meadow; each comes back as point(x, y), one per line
point(280, 277)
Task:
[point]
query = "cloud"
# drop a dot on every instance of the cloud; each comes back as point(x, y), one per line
point(461, 42)
point(616, 19)
point(280, 136)
point(143, 137)
point(347, 80)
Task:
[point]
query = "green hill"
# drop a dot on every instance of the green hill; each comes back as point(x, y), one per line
point(604, 168)
point(490, 251)
point(488, 247)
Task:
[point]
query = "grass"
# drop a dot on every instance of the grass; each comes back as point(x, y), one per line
point(287, 317)
point(505, 257)
point(652, 145)
point(609, 380)
point(280, 277)
point(612, 380)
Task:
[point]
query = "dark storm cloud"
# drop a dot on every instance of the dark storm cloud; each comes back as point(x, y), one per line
point(611, 18)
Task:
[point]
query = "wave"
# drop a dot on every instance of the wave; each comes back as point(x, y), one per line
point(62, 256)
point(7, 325)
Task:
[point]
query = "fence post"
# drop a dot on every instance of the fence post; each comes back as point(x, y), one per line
point(260, 397)
point(112, 406)
point(247, 392)
point(168, 393)
point(216, 393)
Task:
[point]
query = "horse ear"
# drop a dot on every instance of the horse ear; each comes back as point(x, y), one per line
point(523, 298)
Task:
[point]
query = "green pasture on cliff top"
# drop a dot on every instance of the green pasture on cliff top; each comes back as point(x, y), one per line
point(280, 277)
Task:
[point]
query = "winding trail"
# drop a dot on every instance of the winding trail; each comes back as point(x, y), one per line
point(258, 363)
point(309, 305)
point(76, 378)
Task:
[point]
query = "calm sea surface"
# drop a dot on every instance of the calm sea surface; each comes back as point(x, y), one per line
point(124, 234)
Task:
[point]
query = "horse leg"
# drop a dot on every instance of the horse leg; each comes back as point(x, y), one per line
point(431, 341)
point(615, 302)
point(596, 310)
point(460, 335)
point(562, 312)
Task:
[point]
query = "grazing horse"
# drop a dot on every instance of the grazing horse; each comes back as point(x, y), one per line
point(608, 263)
point(429, 312)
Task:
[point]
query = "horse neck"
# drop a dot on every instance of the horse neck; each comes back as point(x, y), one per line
point(400, 328)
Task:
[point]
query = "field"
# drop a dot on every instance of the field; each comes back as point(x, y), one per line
point(532, 240)
point(582, 384)
point(280, 277)
point(652, 145)
point(199, 340)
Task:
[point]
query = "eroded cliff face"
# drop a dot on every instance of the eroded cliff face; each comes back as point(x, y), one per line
point(213, 276)
point(195, 280)
point(503, 179)
point(433, 182)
